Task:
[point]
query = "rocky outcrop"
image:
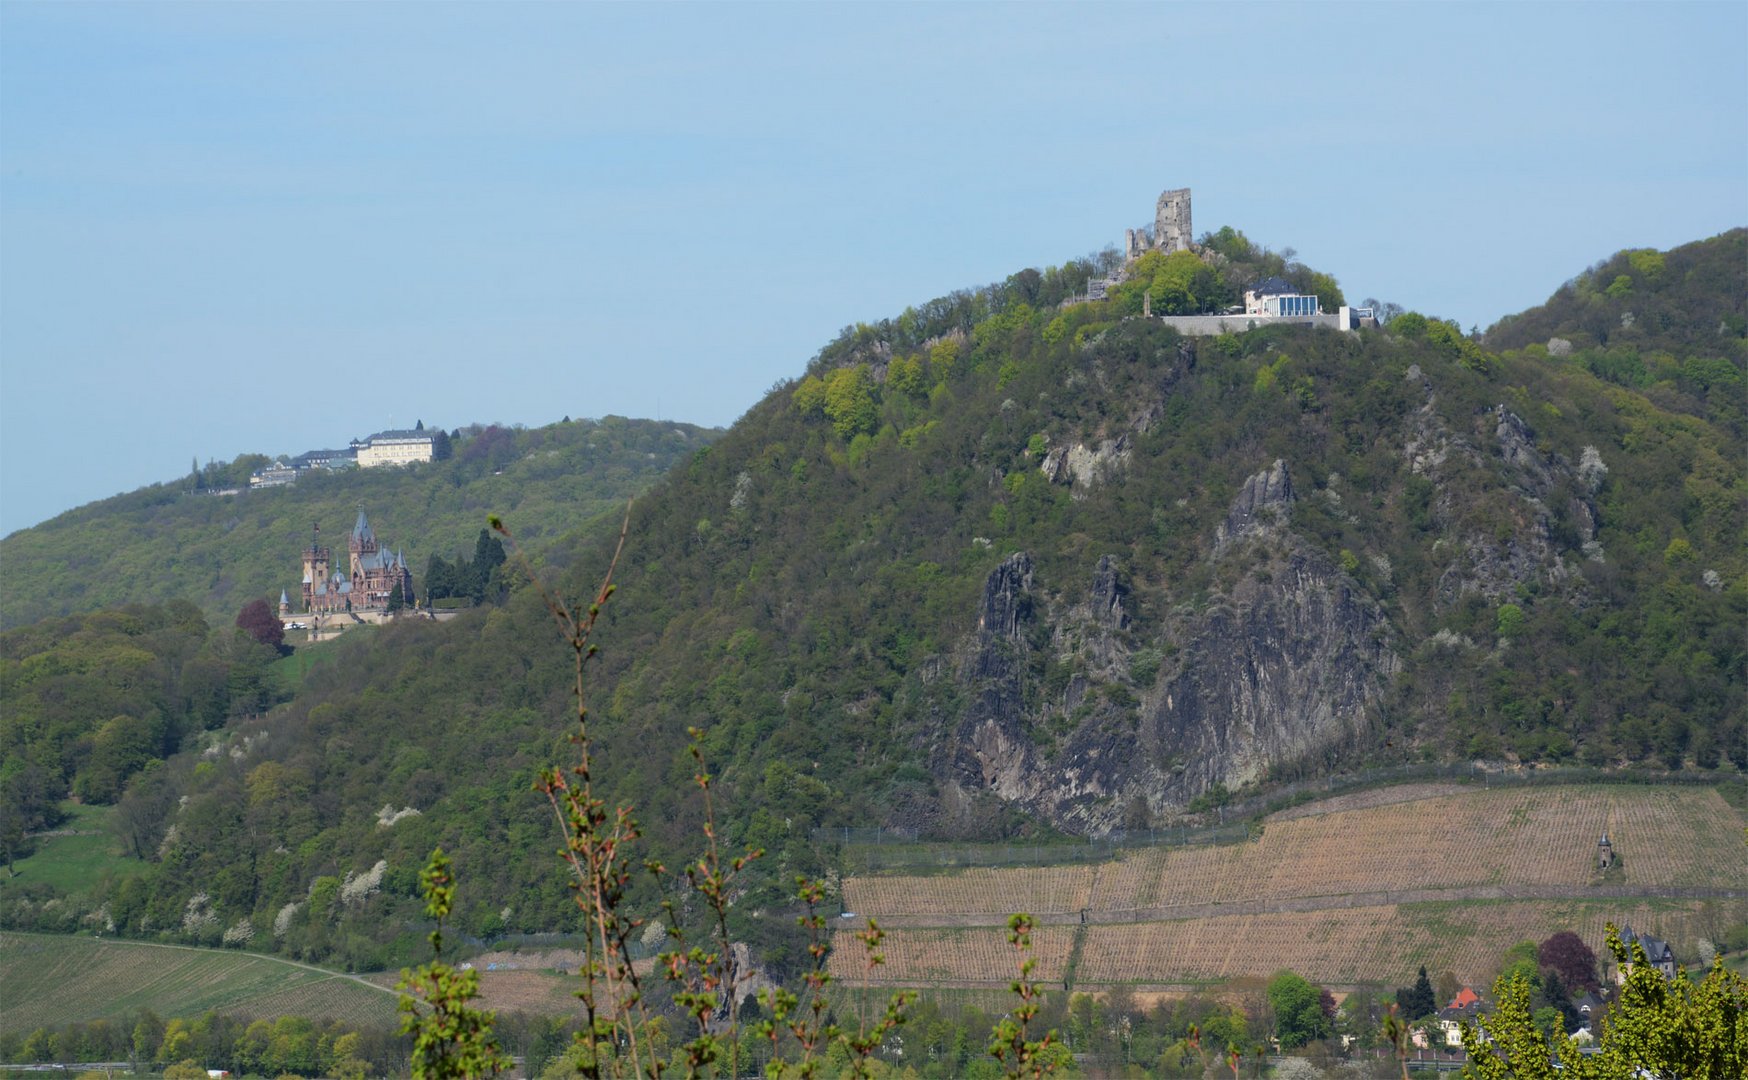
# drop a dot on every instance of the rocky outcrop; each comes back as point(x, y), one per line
point(1286, 662)
point(1007, 600)
point(1262, 505)
point(1108, 594)
point(1497, 561)
point(990, 748)
point(1082, 467)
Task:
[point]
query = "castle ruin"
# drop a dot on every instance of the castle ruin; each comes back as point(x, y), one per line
point(1171, 227)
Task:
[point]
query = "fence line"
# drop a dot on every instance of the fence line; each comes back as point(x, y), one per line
point(865, 850)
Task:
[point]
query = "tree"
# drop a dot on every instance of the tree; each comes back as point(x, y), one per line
point(258, 621)
point(1658, 1028)
point(1418, 1000)
point(1298, 1008)
point(849, 401)
point(1567, 956)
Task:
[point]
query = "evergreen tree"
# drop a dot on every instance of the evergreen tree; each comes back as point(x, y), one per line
point(1418, 1000)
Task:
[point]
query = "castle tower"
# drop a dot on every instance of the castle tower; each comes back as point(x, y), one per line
point(1605, 856)
point(315, 573)
point(284, 604)
point(1171, 221)
point(362, 543)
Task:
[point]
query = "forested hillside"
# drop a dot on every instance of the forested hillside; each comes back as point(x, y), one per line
point(1000, 566)
point(172, 542)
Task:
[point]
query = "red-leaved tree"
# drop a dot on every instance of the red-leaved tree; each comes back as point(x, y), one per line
point(258, 621)
point(1568, 957)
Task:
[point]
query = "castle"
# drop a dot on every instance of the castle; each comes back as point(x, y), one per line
point(376, 572)
point(1171, 227)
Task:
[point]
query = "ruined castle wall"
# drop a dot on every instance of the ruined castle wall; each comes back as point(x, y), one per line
point(1171, 221)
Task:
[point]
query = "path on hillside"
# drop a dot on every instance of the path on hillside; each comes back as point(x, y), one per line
point(1386, 898)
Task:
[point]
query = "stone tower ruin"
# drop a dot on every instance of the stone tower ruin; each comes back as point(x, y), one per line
point(1171, 221)
point(1171, 227)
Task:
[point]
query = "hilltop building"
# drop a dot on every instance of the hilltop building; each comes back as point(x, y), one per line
point(1269, 302)
point(382, 448)
point(375, 574)
point(395, 448)
point(1171, 227)
point(1276, 298)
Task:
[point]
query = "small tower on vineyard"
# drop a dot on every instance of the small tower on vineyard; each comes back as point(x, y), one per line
point(1604, 853)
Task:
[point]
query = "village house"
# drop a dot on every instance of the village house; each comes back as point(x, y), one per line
point(1464, 1008)
point(1657, 953)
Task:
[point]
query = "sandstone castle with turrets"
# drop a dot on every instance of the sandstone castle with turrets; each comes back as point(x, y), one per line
point(376, 575)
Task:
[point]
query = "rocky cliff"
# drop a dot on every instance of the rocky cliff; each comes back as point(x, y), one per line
point(1283, 662)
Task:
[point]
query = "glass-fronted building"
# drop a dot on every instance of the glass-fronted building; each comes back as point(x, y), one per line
point(1291, 305)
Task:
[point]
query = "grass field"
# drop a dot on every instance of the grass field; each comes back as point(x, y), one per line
point(51, 979)
point(1545, 838)
point(77, 860)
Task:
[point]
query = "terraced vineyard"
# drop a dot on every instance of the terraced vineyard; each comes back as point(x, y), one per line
point(51, 979)
point(975, 956)
point(1665, 836)
point(1471, 872)
point(1374, 944)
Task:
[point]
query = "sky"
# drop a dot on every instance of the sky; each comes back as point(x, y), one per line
point(231, 228)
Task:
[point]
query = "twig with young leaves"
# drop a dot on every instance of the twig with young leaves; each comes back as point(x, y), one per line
point(616, 1036)
point(451, 1038)
point(1010, 1043)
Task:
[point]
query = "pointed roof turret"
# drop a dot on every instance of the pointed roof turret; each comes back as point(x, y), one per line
point(361, 530)
point(284, 599)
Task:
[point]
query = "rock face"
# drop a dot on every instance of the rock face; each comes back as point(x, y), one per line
point(1285, 666)
point(1495, 562)
point(1262, 504)
point(1281, 665)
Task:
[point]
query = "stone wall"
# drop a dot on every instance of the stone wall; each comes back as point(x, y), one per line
point(1209, 325)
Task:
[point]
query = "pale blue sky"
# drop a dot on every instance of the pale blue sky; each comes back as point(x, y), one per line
point(272, 227)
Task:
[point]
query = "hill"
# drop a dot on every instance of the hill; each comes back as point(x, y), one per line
point(1012, 565)
point(168, 542)
point(54, 979)
point(1343, 896)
